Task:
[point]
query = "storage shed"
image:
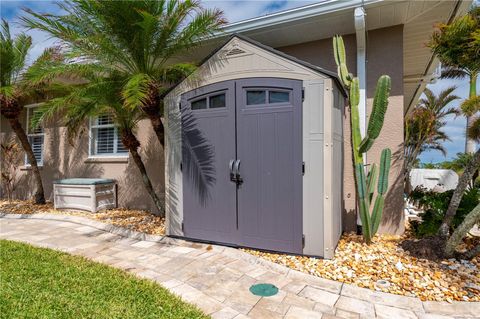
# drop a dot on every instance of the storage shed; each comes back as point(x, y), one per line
point(254, 152)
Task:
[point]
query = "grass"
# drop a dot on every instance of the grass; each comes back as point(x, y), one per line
point(43, 283)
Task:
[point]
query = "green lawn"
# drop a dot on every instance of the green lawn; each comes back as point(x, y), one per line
point(43, 283)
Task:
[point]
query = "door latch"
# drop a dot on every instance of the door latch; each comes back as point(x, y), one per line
point(235, 176)
point(232, 173)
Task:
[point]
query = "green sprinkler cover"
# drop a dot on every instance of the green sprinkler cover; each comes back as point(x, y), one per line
point(264, 290)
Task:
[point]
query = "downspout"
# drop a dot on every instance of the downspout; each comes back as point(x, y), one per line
point(361, 66)
point(360, 32)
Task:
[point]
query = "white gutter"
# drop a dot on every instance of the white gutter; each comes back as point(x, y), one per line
point(360, 30)
point(300, 13)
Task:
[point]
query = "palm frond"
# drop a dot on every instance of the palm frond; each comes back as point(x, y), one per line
point(471, 106)
point(449, 72)
point(136, 90)
point(175, 73)
point(474, 130)
point(13, 54)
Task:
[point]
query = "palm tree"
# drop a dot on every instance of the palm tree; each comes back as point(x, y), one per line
point(14, 91)
point(140, 39)
point(469, 108)
point(459, 164)
point(457, 45)
point(423, 127)
point(141, 42)
point(89, 95)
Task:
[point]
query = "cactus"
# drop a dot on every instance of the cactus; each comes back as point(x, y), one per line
point(375, 123)
point(364, 179)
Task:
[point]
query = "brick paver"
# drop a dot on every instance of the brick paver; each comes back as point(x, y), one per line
point(216, 278)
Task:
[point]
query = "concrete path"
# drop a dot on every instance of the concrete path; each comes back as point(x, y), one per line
point(216, 278)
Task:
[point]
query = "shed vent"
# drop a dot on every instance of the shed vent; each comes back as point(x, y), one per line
point(235, 51)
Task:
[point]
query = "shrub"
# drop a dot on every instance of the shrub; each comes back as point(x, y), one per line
point(434, 206)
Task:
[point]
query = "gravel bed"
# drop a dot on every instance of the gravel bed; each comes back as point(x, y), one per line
point(137, 220)
point(385, 266)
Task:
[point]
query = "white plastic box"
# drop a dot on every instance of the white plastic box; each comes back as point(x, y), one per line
point(89, 194)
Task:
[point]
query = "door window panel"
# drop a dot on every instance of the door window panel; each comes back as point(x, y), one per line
point(199, 104)
point(217, 101)
point(278, 97)
point(256, 97)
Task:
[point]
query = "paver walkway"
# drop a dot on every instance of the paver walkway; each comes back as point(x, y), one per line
point(216, 278)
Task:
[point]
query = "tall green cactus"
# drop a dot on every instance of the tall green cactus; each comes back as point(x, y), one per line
point(365, 179)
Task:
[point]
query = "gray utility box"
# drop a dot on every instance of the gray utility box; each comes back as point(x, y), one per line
point(90, 194)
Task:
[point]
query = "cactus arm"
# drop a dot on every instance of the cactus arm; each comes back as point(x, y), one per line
point(385, 162)
point(355, 120)
point(377, 213)
point(382, 188)
point(380, 103)
point(335, 49)
point(371, 179)
point(340, 60)
point(363, 202)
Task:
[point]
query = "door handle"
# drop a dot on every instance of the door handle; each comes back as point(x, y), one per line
point(236, 170)
point(231, 165)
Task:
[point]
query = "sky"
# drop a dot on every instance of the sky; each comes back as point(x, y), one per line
point(240, 10)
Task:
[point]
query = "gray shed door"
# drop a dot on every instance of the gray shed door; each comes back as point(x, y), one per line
point(256, 123)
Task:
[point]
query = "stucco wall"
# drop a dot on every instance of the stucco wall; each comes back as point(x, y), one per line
point(384, 56)
point(62, 160)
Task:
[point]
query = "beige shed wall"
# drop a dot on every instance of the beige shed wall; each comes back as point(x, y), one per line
point(62, 160)
point(384, 56)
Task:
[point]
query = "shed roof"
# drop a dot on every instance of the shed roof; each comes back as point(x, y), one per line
point(310, 66)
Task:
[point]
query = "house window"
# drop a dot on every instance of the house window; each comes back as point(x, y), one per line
point(104, 139)
point(36, 137)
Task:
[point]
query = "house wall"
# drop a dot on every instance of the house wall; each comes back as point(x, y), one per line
point(62, 160)
point(384, 56)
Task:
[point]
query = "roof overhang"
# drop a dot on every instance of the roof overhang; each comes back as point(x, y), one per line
point(324, 19)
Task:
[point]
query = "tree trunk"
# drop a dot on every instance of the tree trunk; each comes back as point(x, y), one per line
point(39, 196)
point(470, 220)
point(152, 109)
point(132, 144)
point(458, 194)
point(158, 127)
point(470, 144)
